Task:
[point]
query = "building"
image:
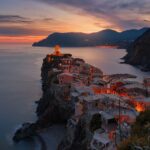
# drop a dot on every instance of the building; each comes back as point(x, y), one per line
point(66, 63)
point(78, 109)
point(92, 102)
point(147, 82)
point(65, 78)
point(147, 86)
point(101, 141)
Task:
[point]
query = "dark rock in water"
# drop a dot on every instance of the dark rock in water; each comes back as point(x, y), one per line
point(139, 52)
point(27, 130)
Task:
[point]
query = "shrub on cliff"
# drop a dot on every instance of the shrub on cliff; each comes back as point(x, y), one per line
point(140, 135)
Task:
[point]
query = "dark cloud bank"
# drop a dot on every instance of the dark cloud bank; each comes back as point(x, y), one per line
point(14, 19)
point(7, 27)
point(115, 11)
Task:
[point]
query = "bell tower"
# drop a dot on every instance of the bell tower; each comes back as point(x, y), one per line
point(57, 51)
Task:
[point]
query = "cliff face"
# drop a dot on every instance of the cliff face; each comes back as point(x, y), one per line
point(139, 52)
point(78, 136)
point(52, 108)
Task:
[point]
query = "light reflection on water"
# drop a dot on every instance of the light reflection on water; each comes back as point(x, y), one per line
point(20, 82)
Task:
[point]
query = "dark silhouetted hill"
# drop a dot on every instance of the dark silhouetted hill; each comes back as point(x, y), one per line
point(139, 52)
point(105, 37)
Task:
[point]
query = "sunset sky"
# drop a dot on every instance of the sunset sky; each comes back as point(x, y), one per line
point(31, 20)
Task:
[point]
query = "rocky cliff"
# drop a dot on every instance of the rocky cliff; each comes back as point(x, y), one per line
point(51, 108)
point(139, 52)
point(79, 135)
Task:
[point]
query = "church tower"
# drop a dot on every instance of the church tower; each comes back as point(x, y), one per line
point(57, 51)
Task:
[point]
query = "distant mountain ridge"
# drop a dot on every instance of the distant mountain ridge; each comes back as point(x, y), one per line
point(104, 37)
point(139, 52)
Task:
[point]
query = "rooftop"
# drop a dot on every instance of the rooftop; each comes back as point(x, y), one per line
point(66, 74)
point(135, 85)
point(91, 98)
point(83, 89)
point(101, 136)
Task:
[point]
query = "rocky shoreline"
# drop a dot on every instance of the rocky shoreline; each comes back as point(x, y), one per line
point(49, 111)
point(50, 108)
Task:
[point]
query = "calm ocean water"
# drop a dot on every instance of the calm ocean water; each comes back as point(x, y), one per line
point(20, 83)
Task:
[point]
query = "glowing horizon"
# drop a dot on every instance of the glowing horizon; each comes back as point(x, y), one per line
point(21, 39)
point(30, 21)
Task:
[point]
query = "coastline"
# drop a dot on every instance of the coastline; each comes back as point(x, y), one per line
point(55, 106)
point(49, 138)
point(31, 59)
point(54, 134)
point(42, 142)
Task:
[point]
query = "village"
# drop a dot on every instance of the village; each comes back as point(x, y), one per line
point(118, 99)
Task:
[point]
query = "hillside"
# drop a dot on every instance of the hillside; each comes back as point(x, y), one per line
point(139, 133)
point(139, 52)
point(105, 37)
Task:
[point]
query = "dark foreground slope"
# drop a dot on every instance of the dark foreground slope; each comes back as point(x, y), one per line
point(139, 133)
point(139, 52)
point(105, 37)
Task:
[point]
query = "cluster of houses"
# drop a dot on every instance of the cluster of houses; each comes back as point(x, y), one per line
point(117, 99)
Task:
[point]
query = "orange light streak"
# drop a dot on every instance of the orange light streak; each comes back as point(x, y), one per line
point(20, 39)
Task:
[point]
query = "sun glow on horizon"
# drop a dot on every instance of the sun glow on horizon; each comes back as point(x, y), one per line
point(35, 29)
point(20, 39)
point(31, 21)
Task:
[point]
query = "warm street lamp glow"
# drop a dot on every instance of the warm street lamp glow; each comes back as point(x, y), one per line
point(139, 107)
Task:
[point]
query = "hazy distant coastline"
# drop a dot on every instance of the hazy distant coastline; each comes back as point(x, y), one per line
point(103, 38)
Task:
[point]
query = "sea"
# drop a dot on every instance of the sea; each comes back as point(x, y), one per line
point(20, 85)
